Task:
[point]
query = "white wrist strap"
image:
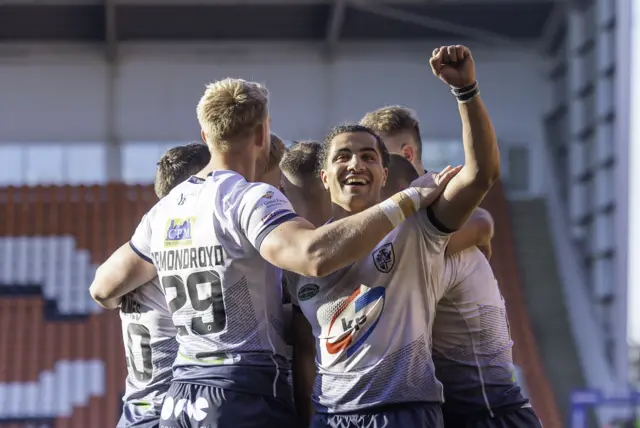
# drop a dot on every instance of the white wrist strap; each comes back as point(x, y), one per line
point(393, 211)
point(392, 208)
point(413, 193)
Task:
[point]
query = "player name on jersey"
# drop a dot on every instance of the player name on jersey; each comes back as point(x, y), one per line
point(188, 258)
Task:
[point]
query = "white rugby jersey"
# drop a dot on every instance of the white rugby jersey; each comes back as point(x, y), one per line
point(150, 346)
point(225, 299)
point(471, 339)
point(372, 325)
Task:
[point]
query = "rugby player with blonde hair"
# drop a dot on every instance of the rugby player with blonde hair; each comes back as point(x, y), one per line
point(217, 243)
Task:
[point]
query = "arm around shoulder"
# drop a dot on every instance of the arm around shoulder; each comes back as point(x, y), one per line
point(122, 272)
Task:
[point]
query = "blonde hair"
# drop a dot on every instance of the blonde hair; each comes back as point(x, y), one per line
point(230, 109)
point(392, 120)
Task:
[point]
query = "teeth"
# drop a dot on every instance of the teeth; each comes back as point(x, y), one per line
point(355, 181)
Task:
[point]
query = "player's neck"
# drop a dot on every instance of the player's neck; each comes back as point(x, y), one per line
point(318, 214)
point(420, 169)
point(243, 166)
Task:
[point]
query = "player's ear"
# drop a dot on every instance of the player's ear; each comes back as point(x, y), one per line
point(324, 178)
point(262, 136)
point(408, 153)
point(203, 136)
point(385, 176)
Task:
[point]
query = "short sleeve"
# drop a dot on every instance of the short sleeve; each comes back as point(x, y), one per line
point(262, 209)
point(436, 238)
point(141, 240)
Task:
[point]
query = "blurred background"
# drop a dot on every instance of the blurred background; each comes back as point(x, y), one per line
point(93, 92)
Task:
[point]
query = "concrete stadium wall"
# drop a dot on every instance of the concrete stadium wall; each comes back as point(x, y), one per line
point(70, 94)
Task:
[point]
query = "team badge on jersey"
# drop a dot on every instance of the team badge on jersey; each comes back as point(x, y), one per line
point(353, 322)
point(178, 231)
point(384, 258)
point(268, 195)
point(307, 291)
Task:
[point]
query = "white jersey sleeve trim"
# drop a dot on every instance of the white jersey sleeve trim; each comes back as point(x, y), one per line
point(262, 209)
point(141, 240)
point(140, 253)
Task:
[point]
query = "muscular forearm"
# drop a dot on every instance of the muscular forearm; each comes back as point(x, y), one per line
point(481, 168)
point(103, 290)
point(477, 231)
point(340, 243)
point(122, 272)
point(481, 154)
point(297, 247)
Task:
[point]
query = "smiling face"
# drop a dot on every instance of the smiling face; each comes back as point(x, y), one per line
point(353, 171)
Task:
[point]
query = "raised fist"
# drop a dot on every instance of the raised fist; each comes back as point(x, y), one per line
point(453, 65)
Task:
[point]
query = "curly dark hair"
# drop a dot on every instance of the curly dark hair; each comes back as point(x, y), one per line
point(351, 128)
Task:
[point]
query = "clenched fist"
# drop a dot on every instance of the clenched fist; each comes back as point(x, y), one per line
point(453, 65)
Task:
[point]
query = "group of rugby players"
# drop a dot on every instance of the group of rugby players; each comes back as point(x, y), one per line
point(396, 319)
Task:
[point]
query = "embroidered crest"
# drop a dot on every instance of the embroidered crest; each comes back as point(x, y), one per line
point(384, 258)
point(308, 291)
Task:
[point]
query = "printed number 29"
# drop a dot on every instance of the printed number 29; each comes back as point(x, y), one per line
point(143, 375)
point(214, 302)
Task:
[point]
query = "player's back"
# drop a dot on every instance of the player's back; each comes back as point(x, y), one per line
point(372, 323)
point(471, 340)
point(225, 299)
point(150, 347)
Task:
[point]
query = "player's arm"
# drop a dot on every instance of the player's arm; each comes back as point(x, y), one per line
point(477, 231)
point(295, 245)
point(124, 271)
point(303, 365)
point(129, 267)
point(481, 169)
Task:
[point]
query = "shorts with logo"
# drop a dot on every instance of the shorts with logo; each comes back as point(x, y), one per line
point(507, 417)
point(418, 415)
point(189, 405)
point(132, 417)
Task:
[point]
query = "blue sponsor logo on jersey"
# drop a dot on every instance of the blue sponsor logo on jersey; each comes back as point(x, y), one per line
point(178, 231)
point(355, 320)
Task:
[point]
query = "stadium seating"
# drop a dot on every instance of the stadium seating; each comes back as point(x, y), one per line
point(61, 357)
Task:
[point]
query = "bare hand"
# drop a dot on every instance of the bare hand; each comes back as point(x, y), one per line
point(453, 65)
point(431, 185)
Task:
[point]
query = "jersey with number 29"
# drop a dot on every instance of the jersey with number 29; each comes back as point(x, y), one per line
point(225, 299)
point(150, 345)
point(372, 322)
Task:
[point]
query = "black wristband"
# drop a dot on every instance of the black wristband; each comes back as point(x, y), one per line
point(466, 93)
point(459, 91)
point(465, 98)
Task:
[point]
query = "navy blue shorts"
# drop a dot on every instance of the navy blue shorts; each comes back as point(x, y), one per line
point(393, 416)
point(134, 416)
point(522, 417)
point(189, 405)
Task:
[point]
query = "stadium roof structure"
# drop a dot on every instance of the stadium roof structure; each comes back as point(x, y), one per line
point(329, 21)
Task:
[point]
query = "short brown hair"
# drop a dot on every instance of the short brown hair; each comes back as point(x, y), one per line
point(401, 169)
point(302, 160)
point(231, 108)
point(392, 120)
point(276, 152)
point(177, 164)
